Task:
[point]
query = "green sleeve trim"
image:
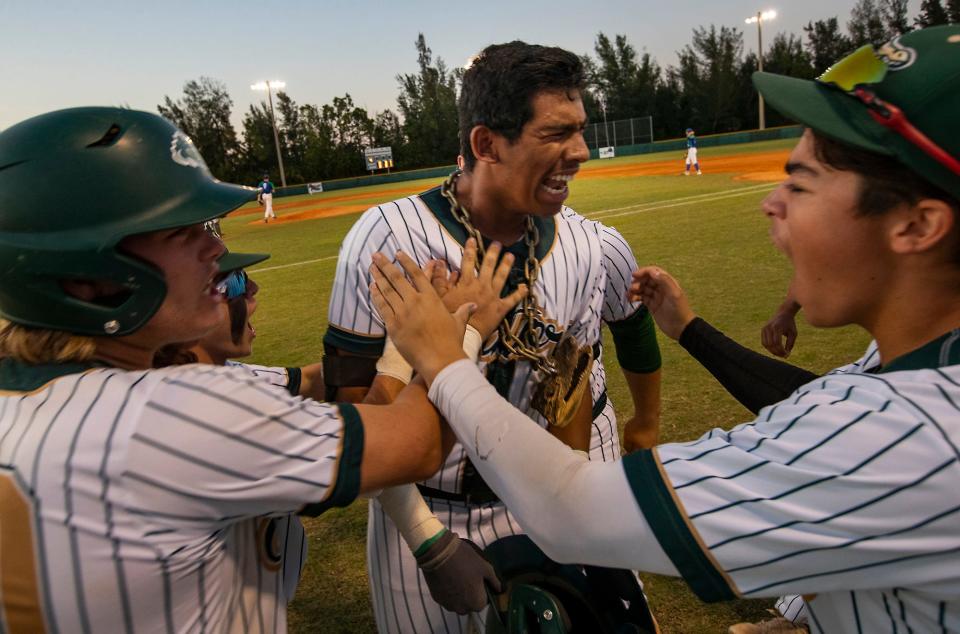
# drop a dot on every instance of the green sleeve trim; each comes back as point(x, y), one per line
point(635, 340)
point(672, 528)
point(347, 487)
point(294, 378)
point(363, 345)
point(422, 548)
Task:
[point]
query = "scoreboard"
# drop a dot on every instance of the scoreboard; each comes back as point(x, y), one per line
point(378, 158)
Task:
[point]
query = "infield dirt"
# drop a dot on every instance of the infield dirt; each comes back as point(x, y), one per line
point(758, 166)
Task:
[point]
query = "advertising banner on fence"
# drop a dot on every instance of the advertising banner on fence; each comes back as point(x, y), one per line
point(314, 188)
point(607, 152)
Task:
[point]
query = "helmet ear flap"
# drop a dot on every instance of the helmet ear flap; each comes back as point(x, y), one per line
point(38, 298)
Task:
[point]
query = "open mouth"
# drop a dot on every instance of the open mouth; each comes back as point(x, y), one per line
point(215, 290)
point(251, 329)
point(556, 185)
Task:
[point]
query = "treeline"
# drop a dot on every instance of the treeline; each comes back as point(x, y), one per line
point(708, 90)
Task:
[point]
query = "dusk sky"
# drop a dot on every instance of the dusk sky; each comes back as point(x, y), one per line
point(107, 52)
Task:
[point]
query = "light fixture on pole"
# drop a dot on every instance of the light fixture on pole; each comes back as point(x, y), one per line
point(760, 18)
point(268, 85)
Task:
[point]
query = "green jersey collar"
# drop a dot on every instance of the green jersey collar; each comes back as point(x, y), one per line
point(21, 377)
point(941, 352)
point(440, 207)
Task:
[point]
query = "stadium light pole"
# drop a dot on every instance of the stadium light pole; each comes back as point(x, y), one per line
point(267, 85)
point(759, 19)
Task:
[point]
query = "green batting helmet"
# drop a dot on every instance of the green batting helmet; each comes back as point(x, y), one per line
point(73, 184)
point(541, 596)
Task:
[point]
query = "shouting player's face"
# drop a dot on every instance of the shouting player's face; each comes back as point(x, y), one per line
point(839, 270)
point(536, 168)
point(188, 259)
point(224, 342)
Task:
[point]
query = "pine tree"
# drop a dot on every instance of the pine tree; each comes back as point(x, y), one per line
point(895, 16)
point(932, 13)
point(953, 11)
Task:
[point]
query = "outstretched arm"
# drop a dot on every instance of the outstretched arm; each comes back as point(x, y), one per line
point(558, 492)
point(755, 380)
point(455, 571)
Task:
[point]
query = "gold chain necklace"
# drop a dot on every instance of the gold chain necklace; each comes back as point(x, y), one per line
point(526, 345)
point(565, 371)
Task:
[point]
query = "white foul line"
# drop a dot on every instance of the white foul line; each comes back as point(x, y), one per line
point(602, 214)
point(685, 198)
point(680, 202)
point(287, 266)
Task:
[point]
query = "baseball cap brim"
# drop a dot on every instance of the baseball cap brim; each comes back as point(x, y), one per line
point(231, 261)
point(826, 110)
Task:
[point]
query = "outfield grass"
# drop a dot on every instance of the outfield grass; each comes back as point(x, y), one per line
point(716, 245)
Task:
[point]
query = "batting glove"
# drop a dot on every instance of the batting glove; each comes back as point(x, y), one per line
point(456, 571)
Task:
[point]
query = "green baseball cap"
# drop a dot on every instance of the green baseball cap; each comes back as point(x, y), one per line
point(901, 99)
point(231, 261)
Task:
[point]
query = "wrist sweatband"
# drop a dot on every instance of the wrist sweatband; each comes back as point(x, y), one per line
point(391, 363)
point(472, 342)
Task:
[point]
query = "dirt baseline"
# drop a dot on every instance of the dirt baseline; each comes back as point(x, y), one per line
point(756, 166)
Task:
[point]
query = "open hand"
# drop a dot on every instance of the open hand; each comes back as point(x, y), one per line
point(483, 287)
point(428, 336)
point(664, 298)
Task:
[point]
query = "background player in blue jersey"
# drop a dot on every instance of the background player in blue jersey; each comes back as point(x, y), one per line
point(691, 158)
point(265, 197)
point(845, 491)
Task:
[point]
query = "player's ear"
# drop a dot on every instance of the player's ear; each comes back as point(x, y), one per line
point(922, 227)
point(483, 142)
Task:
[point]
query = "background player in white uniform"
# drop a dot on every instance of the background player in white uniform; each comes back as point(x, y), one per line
point(517, 167)
point(847, 489)
point(265, 198)
point(691, 158)
point(139, 499)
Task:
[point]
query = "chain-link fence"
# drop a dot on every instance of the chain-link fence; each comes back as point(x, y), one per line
point(622, 132)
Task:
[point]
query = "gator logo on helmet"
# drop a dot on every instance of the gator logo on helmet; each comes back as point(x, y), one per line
point(895, 55)
point(184, 152)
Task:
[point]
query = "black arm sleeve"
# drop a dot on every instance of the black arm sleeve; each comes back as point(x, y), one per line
point(755, 380)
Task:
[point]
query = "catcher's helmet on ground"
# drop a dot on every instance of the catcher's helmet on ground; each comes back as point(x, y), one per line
point(541, 596)
point(73, 184)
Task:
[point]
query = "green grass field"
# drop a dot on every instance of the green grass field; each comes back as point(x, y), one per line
point(707, 231)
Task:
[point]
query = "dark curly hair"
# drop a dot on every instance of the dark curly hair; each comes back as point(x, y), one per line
point(499, 87)
point(886, 182)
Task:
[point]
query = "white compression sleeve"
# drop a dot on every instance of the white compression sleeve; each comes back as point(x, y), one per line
point(405, 507)
point(576, 510)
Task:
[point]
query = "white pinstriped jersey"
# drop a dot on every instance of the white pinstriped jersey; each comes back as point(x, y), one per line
point(846, 490)
point(569, 288)
point(618, 263)
point(291, 538)
point(287, 378)
point(159, 500)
